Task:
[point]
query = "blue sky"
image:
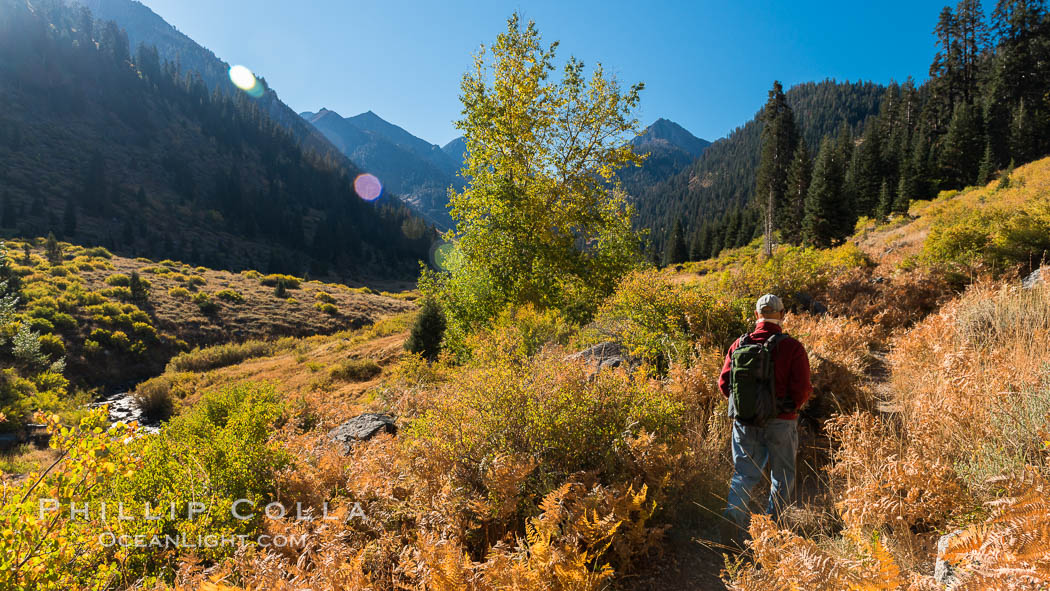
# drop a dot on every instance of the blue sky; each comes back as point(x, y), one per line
point(706, 64)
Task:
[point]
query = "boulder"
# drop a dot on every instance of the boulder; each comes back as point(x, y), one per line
point(1037, 277)
point(600, 353)
point(809, 304)
point(944, 571)
point(607, 355)
point(361, 428)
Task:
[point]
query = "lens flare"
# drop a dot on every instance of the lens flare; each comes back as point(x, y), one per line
point(368, 187)
point(244, 79)
point(442, 255)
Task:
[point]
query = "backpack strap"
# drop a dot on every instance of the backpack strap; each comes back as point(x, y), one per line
point(774, 340)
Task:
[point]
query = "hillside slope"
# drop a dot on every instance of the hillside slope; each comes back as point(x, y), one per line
point(84, 300)
point(134, 154)
point(143, 26)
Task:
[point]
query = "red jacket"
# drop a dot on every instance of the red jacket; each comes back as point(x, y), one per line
point(790, 367)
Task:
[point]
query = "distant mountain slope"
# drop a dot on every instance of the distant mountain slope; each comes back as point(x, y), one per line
point(132, 154)
point(143, 26)
point(456, 149)
point(418, 171)
point(723, 178)
point(670, 148)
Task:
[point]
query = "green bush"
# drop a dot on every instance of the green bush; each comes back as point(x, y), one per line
point(98, 251)
point(41, 325)
point(356, 370)
point(324, 296)
point(196, 281)
point(120, 293)
point(428, 330)
point(120, 340)
point(118, 280)
point(791, 270)
point(230, 295)
point(205, 303)
point(52, 345)
point(154, 398)
point(63, 321)
point(179, 293)
point(327, 308)
point(290, 281)
point(661, 320)
point(219, 356)
point(545, 408)
point(999, 238)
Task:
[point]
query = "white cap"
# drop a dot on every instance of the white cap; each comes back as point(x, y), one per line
point(769, 301)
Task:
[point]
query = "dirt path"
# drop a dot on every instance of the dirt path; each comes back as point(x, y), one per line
point(686, 565)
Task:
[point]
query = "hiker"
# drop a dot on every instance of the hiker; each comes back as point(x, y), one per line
point(766, 378)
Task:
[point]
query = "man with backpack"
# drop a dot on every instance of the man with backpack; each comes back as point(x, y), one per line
point(766, 378)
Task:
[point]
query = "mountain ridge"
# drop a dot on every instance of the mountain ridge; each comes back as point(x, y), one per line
point(418, 171)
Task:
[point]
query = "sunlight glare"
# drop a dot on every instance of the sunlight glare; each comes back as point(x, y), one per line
point(244, 79)
point(368, 187)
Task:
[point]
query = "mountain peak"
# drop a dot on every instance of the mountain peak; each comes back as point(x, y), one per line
point(667, 131)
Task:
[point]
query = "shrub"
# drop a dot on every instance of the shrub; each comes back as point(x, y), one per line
point(98, 251)
point(661, 320)
point(52, 345)
point(154, 398)
point(120, 293)
point(218, 356)
point(63, 321)
point(356, 370)
point(41, 325)
point(205, 303)
point(325, 297)
point(289, 281)
point(179, 293)
point(119, 339)
point(327, 308)
point(428, 330)
point(545, 408)
point(250, 274)
point(196, 281)
point(118, 280)
point(230, 295)
point(791, 270)
point(218, 452)
point(998, 237)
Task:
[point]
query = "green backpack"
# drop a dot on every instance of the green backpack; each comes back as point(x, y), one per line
point(752, 394)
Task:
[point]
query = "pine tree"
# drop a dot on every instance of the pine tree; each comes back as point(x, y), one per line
point(677, 251)
point(139, 288)
point(428, 330)
point(731, 230)
point(885, 200)
point(795, 197)
point(53, 250)
point(827, 215)
point(865, 173)
point(1024, 139)
point(971, 34)
point(961, 152)
point(987, 168)
point(905, 188)
point(779, 139)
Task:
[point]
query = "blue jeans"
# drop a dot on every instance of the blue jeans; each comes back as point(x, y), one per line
point(753, 447)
